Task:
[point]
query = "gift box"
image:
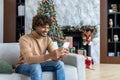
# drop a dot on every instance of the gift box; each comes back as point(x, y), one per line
point(88, 62)
point(72, 50)
point(70, 40)
point(82, 51)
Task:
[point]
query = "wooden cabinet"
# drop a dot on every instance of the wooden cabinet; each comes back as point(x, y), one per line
point(9, 21)
point(110, 31)
point(13, 21)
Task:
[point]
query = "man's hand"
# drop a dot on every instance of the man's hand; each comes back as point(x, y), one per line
point(59, 53)
point(65, 52)
point(55, 55)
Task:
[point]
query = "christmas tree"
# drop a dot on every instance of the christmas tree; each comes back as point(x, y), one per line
point(46, 7)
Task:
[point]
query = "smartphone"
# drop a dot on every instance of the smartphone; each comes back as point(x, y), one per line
point(66, 45)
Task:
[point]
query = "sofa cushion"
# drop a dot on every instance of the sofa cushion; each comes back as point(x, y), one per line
point(70, 71)
point(5, 67)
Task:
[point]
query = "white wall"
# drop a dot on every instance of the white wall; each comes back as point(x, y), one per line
point(1, 21)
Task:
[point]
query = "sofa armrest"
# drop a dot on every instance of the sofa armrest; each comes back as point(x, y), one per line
point(79, 62)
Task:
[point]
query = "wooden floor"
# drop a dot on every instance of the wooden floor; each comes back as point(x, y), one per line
point(104, 72)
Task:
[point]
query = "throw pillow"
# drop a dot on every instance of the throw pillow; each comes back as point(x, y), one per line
point(5, 67)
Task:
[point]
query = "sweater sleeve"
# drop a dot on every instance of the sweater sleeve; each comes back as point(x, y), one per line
point(50, 46)
point(27, 53)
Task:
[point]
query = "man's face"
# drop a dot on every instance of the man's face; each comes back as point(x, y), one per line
point(42, 30)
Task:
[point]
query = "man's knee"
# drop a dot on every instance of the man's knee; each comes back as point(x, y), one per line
point(59, 64)
point(35, 67)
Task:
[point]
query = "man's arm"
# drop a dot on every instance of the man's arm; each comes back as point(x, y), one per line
point(56, 54)
point(27, 53)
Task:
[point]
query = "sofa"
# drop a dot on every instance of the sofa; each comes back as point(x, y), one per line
point(74, 64)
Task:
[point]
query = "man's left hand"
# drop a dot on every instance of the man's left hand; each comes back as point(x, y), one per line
point(65, 52)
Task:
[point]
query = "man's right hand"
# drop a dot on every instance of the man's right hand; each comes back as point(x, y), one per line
point(58, 53)
point(55, 55)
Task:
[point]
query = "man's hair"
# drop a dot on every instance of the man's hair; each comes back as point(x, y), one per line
point(40, 20)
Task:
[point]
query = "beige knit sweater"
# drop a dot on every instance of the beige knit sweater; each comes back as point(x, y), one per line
point(33, 48)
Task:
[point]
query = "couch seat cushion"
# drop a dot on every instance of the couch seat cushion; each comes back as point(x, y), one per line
point(70, 71)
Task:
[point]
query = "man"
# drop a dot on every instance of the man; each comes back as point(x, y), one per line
point(33, 60)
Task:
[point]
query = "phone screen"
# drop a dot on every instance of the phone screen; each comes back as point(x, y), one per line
point(66, 44)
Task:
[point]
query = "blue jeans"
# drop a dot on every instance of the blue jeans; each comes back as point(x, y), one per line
point(35, 70)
